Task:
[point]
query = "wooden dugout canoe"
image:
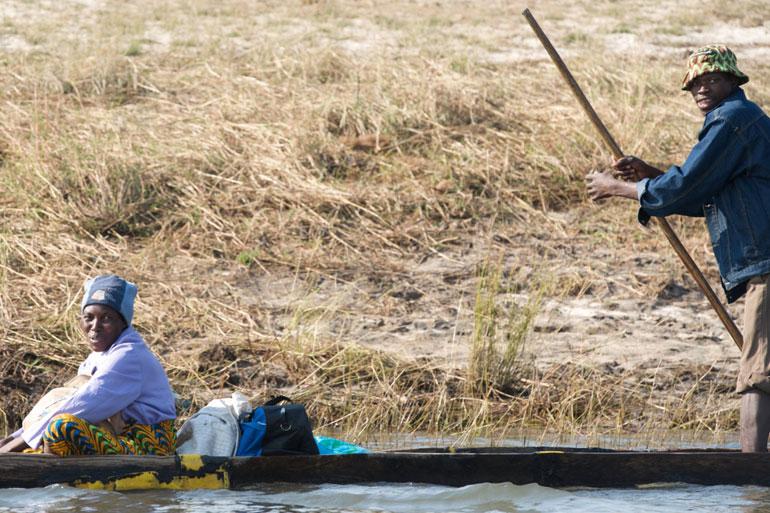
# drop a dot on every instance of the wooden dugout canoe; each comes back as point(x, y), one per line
point(555, 467)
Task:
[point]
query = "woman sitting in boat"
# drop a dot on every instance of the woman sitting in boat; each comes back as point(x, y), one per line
point(126, 406)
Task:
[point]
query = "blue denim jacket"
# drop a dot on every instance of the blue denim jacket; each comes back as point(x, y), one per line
point(726, 178)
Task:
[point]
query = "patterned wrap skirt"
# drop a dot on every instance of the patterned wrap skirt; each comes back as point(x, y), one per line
point(68, 435)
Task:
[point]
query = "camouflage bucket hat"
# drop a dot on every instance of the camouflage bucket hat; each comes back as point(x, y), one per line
point(711, 59)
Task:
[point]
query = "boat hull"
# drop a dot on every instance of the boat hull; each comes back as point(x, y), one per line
point(547, 467)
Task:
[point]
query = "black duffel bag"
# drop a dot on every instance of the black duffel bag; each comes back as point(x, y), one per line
point(276, 429)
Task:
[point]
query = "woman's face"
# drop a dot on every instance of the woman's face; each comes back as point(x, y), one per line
point(102, 326)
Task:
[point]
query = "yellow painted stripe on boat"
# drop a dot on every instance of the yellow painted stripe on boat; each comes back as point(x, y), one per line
point(192, 462)
point(549, 452)
point(149, 481)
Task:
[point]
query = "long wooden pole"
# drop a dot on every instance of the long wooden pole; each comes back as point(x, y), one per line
point(689, 263)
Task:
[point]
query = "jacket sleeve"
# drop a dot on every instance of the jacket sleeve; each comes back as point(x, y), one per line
point(712, 163)
point(116, 384)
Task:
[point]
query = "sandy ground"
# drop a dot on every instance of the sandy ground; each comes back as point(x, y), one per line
point(431, 315)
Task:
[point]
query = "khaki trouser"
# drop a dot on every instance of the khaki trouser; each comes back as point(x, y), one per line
point(754, 372)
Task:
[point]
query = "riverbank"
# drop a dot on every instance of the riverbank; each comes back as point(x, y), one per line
point(376, 208)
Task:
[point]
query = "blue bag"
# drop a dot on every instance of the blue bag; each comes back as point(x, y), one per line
point(252, 434)
point(277, 429)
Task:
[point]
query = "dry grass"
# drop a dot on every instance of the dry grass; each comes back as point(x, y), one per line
point(213, 154)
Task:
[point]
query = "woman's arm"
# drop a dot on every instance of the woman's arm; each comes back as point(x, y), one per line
point(116, 384)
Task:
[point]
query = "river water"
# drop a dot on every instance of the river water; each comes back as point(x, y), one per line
point(408, 498)
point(502, 497)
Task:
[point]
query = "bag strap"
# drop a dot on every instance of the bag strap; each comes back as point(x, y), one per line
point(277, 399)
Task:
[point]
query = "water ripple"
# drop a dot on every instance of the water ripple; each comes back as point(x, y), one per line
point(392, 498)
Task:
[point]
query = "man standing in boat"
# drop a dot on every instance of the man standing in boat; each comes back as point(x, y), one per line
point(726, 179)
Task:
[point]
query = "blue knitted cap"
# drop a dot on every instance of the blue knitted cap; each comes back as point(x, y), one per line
point(112, 291)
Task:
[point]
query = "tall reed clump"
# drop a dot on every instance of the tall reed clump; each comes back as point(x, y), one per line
point(499, 332)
